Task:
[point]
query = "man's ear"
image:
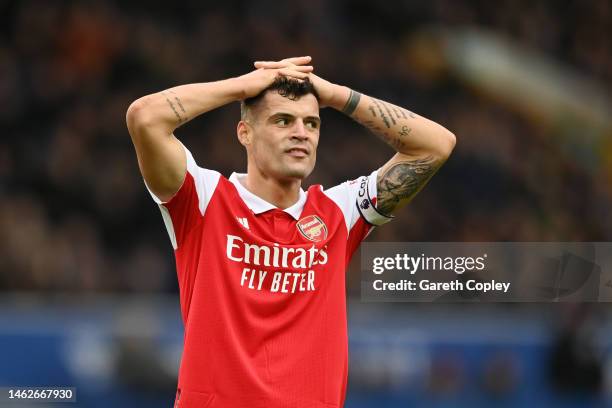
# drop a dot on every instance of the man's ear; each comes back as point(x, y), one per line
point(244, 133)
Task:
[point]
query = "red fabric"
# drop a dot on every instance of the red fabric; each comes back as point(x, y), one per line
point(258, 347)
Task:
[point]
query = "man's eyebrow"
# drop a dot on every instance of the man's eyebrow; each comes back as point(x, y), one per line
point(315, 118)
point(290, 115)
point(275, 114)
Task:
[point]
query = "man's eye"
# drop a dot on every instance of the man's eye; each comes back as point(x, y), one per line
point(281, 121)
point(312, 125)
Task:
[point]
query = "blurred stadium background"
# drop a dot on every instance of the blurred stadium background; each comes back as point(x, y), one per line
point(87, 281)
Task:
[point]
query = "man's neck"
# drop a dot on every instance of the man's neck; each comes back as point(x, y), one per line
point(282, 194)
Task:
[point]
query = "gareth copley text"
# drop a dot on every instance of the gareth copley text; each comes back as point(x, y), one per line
point(412, 264)
point(456, 285)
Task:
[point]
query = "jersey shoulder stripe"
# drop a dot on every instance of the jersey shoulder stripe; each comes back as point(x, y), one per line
point(195, 193)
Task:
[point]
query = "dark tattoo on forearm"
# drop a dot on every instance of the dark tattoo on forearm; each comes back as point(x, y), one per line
point(370, 124)
point(176, 98)
point(386, 106)
point(400, 113)
point(352, 103)
point(395, 120)
point(405, 131)
point(406, 111)
point(372, 110)
point(380, 111)
point(179, 117)
point(402, 181)
point(392, 141)
point(383, 134)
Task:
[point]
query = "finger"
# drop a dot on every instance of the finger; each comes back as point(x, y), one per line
point(290, 73)
point(283, 63)
point(270, 64)
point(293, 73)
point(298, 60)
point(301, 68)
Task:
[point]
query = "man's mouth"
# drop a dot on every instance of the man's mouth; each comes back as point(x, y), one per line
point(297, 152)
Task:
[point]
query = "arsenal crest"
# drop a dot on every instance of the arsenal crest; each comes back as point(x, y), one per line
point(313, 228)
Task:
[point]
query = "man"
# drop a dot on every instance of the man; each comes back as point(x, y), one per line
point(260, 262)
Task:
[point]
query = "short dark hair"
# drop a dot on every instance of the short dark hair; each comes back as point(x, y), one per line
point(288, 87)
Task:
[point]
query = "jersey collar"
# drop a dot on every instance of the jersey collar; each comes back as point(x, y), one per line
point(258, 205)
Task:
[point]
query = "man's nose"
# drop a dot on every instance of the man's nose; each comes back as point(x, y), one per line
point(299, 130)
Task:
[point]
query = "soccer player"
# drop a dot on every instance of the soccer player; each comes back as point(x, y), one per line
point(261, 262)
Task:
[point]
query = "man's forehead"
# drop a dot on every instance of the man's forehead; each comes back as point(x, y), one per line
point(306, 105)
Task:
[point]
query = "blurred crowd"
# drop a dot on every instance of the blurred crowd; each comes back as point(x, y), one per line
point(74, 213)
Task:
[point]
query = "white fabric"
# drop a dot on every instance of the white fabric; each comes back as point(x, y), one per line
point(350, 194)
point(258, 205)
point(205, 182)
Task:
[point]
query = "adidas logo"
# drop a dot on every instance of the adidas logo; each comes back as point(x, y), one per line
point(243, 221)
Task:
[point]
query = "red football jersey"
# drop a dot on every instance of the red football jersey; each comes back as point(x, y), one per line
point(262, 290)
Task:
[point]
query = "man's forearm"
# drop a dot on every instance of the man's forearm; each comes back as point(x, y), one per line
point(403, 130)
point(169, 109)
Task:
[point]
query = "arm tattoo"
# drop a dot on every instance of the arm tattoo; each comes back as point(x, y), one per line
point(372, 110)
point(405, 131)
point(402, 113)
point(380, 111)
point(178, 115)
point(394, 142)
point(388, 112)
point(352, 103)
point(402, 181)
point(396, 128)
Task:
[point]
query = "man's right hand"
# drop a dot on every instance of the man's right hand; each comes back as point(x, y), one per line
point(267, 71)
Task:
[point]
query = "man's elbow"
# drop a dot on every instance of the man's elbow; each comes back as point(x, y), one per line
point(447, 144)
point(138, 116)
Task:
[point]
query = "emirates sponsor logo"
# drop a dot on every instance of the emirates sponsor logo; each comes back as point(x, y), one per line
point(295, 261)
point(276, 256)
point(312, 228)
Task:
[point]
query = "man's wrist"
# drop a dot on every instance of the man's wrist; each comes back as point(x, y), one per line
point(237, 88)
point(351, 103)
point(339, 98)
point(345, 100)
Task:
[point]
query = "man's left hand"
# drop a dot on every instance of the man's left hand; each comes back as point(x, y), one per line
point(329, 94)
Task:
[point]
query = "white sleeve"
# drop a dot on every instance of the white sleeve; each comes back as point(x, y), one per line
point(182, 211)
point(205, 181)
point(357, 199)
